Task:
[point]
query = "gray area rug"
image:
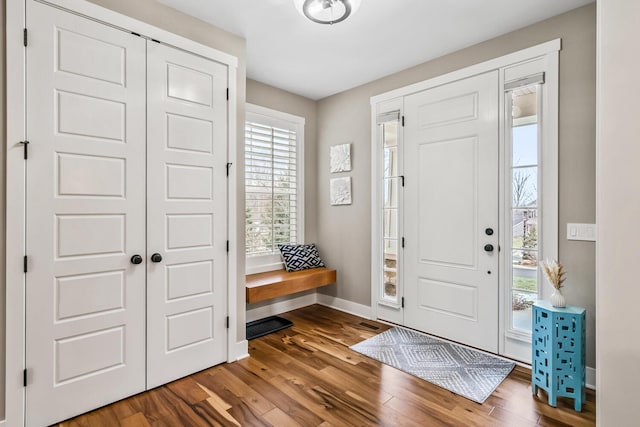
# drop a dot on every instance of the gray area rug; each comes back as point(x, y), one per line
point(464, 371)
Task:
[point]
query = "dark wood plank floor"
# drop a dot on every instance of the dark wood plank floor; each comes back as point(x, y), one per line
point(307, 376)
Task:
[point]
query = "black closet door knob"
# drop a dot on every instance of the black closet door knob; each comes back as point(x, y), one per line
point(136, 259)
point(156, 257)
point(488, 231)
point(488, 247)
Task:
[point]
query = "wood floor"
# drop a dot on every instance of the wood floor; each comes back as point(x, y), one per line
point(307, 376)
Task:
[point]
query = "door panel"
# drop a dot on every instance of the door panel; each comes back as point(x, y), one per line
point(187, 220)
point(85, 324)
point(451, 196)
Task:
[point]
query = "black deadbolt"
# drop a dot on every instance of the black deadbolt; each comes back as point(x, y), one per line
point(156, 257)
point(488, 231)
point(136, 259)
point(488, 247)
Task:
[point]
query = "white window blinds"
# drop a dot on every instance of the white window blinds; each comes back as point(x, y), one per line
point(270, 187)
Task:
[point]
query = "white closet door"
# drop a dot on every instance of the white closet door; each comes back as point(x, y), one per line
point(451, 211)
point(187, 213)
point(85, 300)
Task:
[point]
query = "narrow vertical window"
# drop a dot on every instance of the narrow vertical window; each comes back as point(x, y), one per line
point(389, 128)
point(525, 202)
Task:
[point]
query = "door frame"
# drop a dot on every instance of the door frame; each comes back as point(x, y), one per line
point(16, 175)
point(522, 61)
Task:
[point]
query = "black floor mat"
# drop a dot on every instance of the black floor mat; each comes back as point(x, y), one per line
point(262, 327)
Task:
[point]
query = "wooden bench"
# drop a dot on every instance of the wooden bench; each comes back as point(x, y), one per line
point(272, 284)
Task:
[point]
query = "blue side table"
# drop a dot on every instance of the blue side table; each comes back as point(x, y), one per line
point(557, 365)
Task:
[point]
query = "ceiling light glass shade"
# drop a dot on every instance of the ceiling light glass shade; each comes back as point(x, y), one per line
point(327, 11)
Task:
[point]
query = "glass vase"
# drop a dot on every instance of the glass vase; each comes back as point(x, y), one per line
point(557, 299)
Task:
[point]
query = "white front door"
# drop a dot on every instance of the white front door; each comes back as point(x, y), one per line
point(85, 300)
point(186, 213)
point(451, 211)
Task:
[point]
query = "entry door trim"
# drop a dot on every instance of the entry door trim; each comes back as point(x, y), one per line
point(16, 175)
point(548, 52)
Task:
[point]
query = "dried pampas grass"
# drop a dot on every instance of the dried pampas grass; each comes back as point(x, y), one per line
point(555, 273)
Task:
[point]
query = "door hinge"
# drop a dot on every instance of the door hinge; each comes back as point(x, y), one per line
point(227, 94)
point(227, 322)
point(402, 179)
point(25, 145)
point(24, 378)
point(24, 37)
point(227, 246)
point(402, 121)
point(24, 264)
point(228, 167)
point(402, 242)
point(402, 302)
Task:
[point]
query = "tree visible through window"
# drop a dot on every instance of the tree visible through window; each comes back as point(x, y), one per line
point(272, 196)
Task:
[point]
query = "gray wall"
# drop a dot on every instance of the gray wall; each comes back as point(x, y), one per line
point(618, 211)
point(344, 231)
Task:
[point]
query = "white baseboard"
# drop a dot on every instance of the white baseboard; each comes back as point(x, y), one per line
point(280, 307)
point(239, 351)
point(344, 305)
point(590, 379)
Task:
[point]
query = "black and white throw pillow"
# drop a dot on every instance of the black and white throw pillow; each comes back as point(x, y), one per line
point(300, 257)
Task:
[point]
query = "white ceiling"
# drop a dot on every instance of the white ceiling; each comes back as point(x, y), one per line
point(287, 51)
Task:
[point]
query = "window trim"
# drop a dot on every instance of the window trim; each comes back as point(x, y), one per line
point(271, 117)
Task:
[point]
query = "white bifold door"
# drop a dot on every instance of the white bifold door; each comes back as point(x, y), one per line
point(126, 214)
point(186, 213)
point(451, 211)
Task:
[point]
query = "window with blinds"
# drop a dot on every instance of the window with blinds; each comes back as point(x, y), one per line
point(271, 186)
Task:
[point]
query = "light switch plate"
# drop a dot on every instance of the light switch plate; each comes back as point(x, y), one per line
point(585, 232)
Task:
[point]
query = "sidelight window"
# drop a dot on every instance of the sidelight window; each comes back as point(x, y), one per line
point(524, 144)
point(389, 131)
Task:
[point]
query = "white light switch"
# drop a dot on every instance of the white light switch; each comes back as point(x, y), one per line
point(586, 232)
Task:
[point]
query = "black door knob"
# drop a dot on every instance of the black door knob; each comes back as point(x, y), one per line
point(488, 247)
point(488, 231)
point(136, 259)
point(156, 257)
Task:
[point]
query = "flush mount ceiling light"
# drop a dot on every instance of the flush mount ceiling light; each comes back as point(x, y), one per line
point(327, 11)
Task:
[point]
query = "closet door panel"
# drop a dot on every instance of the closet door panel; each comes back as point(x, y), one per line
point(187, 213)
point(85, 300)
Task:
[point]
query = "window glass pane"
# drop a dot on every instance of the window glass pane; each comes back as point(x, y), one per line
point(271, 211)
point(524, 187)
point(390, 167)
point(390, 192)
point(390, 223)
point(390, 268)
point(390, 134)
point(525, 228)
point(525, 145)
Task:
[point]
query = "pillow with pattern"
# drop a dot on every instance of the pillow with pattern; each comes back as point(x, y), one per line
point(300, 257)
